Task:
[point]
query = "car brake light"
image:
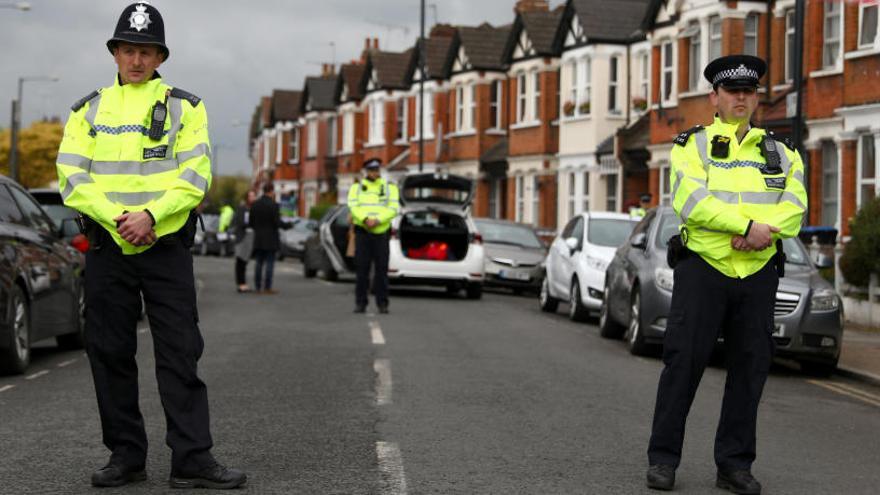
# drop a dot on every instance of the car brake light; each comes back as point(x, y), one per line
point(80, 243)
point(393, 233)
point(478, 238)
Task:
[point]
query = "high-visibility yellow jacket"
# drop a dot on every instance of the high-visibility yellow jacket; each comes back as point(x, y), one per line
point(715, 197)
point(377, 199)
point(226, 214)
point(107, 164)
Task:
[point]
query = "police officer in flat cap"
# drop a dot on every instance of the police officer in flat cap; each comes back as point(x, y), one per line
point(373, 204)
point(738, 191)
point(644, 205)
point(135, 161)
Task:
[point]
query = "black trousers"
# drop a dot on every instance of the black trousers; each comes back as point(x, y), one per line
point(114, 283)
point(706, 303)
point(240, 266)
point(371, 250)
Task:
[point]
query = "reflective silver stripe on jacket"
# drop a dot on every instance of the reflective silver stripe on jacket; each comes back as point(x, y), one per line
point(93, 111)
point(133, 168)
point(200, 150)
point(703, 149)
point(691, 203)
point(176, 111)
point(191, 176)
point(74, 160)
point(679, 177)
point(73, 181)
point(133, 198)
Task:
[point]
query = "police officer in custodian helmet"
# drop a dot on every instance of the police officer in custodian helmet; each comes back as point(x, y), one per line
point(738, 191)
point(135, 161)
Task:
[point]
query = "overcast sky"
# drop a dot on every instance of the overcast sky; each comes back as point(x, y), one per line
point(227, 52)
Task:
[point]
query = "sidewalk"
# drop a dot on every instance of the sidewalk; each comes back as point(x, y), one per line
point(860, 355)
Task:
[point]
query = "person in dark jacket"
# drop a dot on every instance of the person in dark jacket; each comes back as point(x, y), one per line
point(265, 219)
point(244, 239)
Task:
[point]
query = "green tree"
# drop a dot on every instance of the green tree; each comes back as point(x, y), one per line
point(37, 152)
point(862, 255)
point(225, 190)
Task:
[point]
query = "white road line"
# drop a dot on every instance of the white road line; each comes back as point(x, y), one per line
point(143, 330)
point(391, 468)
point(6, 387)
point(847, 391)
point(376, 332)
point(37, 375)
point(371, 315)
point(66, 363)
point(382, 367)
point(331, 284)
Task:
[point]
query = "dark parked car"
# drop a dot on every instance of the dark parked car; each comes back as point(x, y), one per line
point(65, 218)
point(514, 255)
point(325, 250)
point(209, 240)
point(293, 240)
point(41, 280)
point(638, 294)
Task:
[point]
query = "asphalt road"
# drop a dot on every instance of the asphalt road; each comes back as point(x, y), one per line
point(444, 395)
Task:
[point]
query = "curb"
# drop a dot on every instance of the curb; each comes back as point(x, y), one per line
point(857, 374)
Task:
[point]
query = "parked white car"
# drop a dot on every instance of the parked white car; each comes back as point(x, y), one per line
point(577, 261)
point(434, 240)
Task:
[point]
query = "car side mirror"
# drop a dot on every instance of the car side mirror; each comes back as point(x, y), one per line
point(573, 244)
point(824, 261)
point(69, 228)
point(639, 241)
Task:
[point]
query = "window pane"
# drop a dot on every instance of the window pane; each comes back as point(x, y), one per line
point(611, 192)
point(751, 35)
point(829, 183)
point(34, 215)
point(869, 170)
point(9, 211)
point(869, 25)
point(869, 191)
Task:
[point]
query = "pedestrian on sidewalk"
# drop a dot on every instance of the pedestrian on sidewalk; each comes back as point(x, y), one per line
point(373, 204)
point(738, 191)
point(244, 239)
point(141, 226)
point(265, 219)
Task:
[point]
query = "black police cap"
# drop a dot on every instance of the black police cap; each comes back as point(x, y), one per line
point(735, 71)
point(645, 197)
point(373, 164)
point(141, 24)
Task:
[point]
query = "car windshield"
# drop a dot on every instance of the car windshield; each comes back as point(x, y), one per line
point(505, 233)
point(58, 213)
point(668, 227)
point(304, 226)
point(609, 232)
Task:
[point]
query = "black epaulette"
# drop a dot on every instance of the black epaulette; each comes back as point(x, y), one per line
point(781, 139)
point(682, 139)
point(80, 103)
point(184, 95)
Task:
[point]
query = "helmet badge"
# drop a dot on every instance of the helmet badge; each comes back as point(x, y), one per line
point(140, 18)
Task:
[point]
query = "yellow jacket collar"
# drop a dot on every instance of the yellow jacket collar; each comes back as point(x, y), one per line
point(154, 81)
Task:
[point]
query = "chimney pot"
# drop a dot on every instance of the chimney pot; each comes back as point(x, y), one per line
point(376, 43)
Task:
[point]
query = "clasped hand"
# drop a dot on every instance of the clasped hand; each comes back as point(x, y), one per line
point(371, 222)
point(136, 228)
point(760, 237)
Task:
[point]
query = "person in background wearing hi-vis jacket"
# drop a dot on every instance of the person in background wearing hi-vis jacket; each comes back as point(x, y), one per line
point(373, 203)
point(738, 191)
point(644, 205)
point(137, 187)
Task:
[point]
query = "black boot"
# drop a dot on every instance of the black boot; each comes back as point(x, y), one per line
point(216, 476)
point(661, 477)
point(383, 309)
point(116, 475)
point(360, 309)
point(741, 482)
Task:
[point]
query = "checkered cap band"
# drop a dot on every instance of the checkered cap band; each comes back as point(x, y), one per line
point(741, 72)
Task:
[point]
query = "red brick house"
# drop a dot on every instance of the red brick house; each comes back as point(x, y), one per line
point(285, 118)
point(318, 141)
point(351, 129)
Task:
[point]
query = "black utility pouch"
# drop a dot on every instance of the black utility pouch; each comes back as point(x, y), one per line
point(187, 233)
point(779, 259)
point(94, 232)
point(675, 250)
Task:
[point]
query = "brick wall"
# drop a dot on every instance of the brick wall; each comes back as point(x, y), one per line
point(545, 137)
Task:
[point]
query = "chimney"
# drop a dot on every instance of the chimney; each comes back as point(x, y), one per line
point(327, 70)
point(375, 43)
point(366, 43)
point(531, 6)
point(442, 31)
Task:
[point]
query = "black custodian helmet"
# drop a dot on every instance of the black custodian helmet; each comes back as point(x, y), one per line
point(141, 24)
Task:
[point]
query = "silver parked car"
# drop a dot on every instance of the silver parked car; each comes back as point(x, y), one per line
point(638, 294)
point(514, 255)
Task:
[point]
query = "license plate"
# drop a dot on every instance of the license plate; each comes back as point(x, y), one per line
point(521, 276)
point(779, 330)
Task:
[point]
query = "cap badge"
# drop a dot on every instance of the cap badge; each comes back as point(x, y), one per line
point(741, 71)
point(140, 18)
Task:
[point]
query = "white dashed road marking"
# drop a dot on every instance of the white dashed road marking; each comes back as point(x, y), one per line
point(6, 387)
point(391, 467)
point(382, 367)
point(37, 375)
point(376, 332)
point(66, 363)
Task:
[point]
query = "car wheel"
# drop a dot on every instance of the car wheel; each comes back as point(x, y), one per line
point(634, 335)
point(331, 275)
point(16, 356)
point(77, 339)
point(452, 290)
point(475, 291)
point(576, 309)
point(549, 304)
point(608, 328)
point(818, 369)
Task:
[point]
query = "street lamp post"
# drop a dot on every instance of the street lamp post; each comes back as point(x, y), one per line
point(16, 123)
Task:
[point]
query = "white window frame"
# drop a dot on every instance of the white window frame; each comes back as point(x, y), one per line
point(471, 113)
point(293, 146)
point(521, 97)
point(332, 136)
point(874, 139)
point(535, 92)
point(535, 199)
point(695, 55)
point(585, 191)
point(495, 198)
point(830, 199)
point(586, 89)
point(519, 186)
point(862, 7)
point(715, 37)
point(459, 108)
point(429, 115)
point(611, 198)
point(751, 35)
point(402, 121)
point(572, 195)
point(377, 122)
point(614, 84)
point(573, 90)
point(832, 48)
point(312, 138)
point(495, 103)
point(348, 132)
point(665, 186)
point(667, 67)
point(789, 45)
point(645, 75)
